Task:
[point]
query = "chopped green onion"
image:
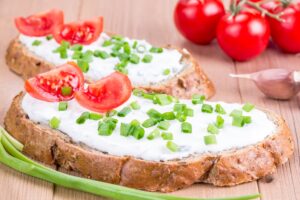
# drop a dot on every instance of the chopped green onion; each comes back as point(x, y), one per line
point(152, 113)
point(156, 50)
point(83, 65)
point(179, 107)
point(153, 134)
point(121, 69)
point(164, 125)
point(95, 116)
point(147, 58)
point(163, 99)
point(149, 123)
point(219, 109)
point(87, 56)
point(135, 59)
point(117, 37)
point(66, 90)
point(77, 55)
point(238, 121)
point(247, 119)
point(166, 72)
point(65, 44)
point(138, 132)
point(49, 37)
point(76, 47)
point(236, 112)
point(134, 44)
point(135, 106)
point(62, 49)
point(138, 92)
point(101, 54)
point(125, 129)
point(172, 146)
point(134, 129)
point(186, 127)
point(106, 127)
point(189, 112)
point(167, 136)
point(211, 128)
point(210, 139)
point(141, 48)
point(206, 108)
point(111, 113)
point(62, 106)
point(219, 122)
point(248, 107)
point(126, 48)
point(107, 43)
point(168, 116)
point(54, 122)
point(181, 117)
point(36, 43)
point(198, 99)
point(124, 112)
point(82, 118)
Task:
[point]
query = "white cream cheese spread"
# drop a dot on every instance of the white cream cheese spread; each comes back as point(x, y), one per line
point(139, 74)
point(190, 144)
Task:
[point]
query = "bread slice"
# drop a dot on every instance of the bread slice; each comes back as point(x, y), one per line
point(228, 168)
point(191, 80)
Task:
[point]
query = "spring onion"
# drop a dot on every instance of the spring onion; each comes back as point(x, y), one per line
point(189, 112)
point(186, 127)
point(248, 107)
point(206, 108)
point(147, 58)
point(135, 105)
point(126, 48)
point(149, 123)
point(153, 134)
point(62, 49)
point(152, 113)
point(168, 116)
point(219, 122)
point(164, 125)
point(179, 107)
point(198, 99)
point(211, 128)
point(95, 116)
point(66, 90)
point(107, 43)
point(117, 37)
point(125, 111)
point(247, 119)
point(219, 109)
point(83, 65)
point(111, 113)
point(62, 106)
point(163, 99)
point(238, 121)
point(135, 59)
point(49, 37)
point(101, 54)
point(82, 118)
point(210, 139)
point(181, 117)
point(167, 136)
point(166, 72)
point(76, 47)
point(36, 43)
point(156, 50)
point(54, 122)
point(134, 45)
point(107, 126)
point(172, 146)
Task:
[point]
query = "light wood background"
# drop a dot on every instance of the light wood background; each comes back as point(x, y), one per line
point(153, 21)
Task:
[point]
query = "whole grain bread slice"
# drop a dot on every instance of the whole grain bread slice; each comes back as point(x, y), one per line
point(191, 80)
point(227, 168)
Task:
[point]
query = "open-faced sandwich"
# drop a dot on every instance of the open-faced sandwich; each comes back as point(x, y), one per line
point(45, 41)
point(149, 141)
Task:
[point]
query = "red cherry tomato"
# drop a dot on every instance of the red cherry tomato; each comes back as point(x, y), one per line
point(40, 24)
point(58, 84)
point(106, 94)
point(286, 34)
point(197, 20)
point(244, 35)
point(79, 33)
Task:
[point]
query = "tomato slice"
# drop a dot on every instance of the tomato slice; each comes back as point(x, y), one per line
point(58, 84)
point(105, 94)
point(40, 24)
point(79, 33)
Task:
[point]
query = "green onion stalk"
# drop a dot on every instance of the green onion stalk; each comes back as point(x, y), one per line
point(10, 155)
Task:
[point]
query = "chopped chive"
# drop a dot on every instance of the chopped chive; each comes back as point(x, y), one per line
point(122, 64)
point(138, 92)
point(141, 48)
point(166, 72)
point(248, 107)
point(147, 58)
point(210, 139)
point(163, 99)
point(123, 57)
point(164, 125)
point(138, 132)
point(111, 113)
point(134, 44)
point(125, 129)
point(65, 44)
point(172, 146)
point(198, 99)
point(121, 69)
point(156, 50)
point(179, 107)
point(36, 43)
point(62, 106)
point(189, 112)
point(82, 118)
point(206, 108)
point(167, 136)
point(135, 106)
point(236, 112)
point(49, 37)
point(107, 43)
point(124, 112)
point(66, 90)
point(168, 116)
point(117, 37)
point(54, 122)
point(76, 47)
point(152, 113)
point(247, 119)
point(153, 134)
point(101, 54)
point(149, 123)
point(126, 48)
point(107, 126)
point(95, 116)
point(186, 127)
point(181, 117)
point(219, 122)
point(135, 59)
point(219, 109)
point(77, 55)
point(211, 128)
point(87, 56)
point(238, 121)
point(83, 65)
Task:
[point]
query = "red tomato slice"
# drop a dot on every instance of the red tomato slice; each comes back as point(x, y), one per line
point(79, 33)
point(40, 24)
point(106, 94)
point(58, 84)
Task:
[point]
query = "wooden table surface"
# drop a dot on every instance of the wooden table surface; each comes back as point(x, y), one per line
point(152, 20)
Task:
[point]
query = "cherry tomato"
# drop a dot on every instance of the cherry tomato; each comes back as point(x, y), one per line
point(40, 24)
point(286, 34)
point(105, 94)
point(244, 35)
point(58, 84)
point(79, 33)
point(197, 20)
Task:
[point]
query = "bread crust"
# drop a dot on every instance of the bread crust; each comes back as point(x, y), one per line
point(191, 80)
point(227, 168)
